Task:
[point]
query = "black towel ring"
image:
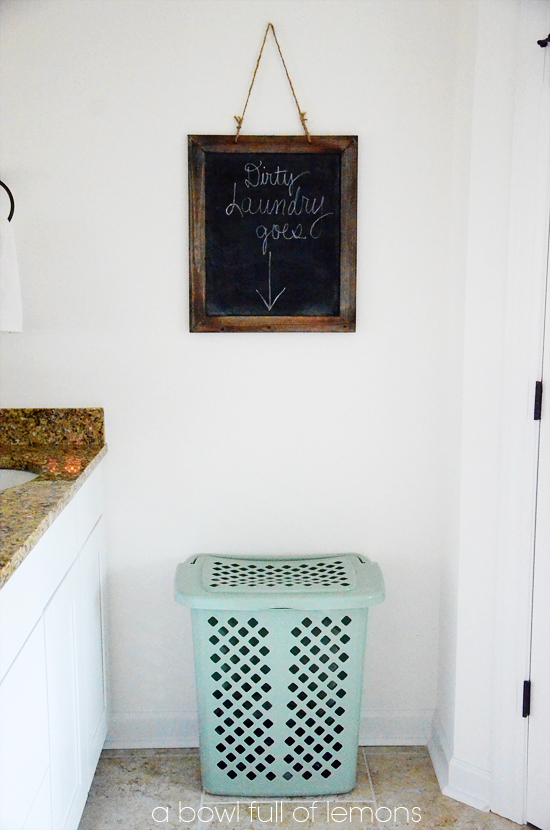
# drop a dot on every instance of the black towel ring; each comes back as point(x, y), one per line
point(12, 200)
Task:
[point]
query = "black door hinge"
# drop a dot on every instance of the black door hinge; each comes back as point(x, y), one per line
point(538, 401)
point(526, 710)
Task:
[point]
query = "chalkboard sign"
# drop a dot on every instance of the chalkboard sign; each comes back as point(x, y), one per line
point(272, 233)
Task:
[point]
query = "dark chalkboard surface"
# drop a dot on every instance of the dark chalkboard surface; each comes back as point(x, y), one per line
point(272, 233)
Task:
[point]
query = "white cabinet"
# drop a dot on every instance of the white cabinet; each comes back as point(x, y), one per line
point(52, 677)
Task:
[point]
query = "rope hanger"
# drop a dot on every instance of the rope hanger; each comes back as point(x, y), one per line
point(302, 114)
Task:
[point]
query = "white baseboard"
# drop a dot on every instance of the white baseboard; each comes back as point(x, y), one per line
point(152, 730)
point(458, 779)
point(395, 727)
point(439, 753)
point(144, 730)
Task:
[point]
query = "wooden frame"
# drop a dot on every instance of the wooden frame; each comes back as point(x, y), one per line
point(251, 221)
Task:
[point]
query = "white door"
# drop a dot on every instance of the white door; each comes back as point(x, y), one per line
point(538, 755)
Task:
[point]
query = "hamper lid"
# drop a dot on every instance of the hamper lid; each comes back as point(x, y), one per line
point(251, 582)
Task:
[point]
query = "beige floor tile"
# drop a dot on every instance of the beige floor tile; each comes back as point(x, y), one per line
point(284, 813)
point(403, 779)
point(132, 786)
point(396, 788)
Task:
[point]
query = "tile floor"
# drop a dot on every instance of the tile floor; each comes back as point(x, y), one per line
point(142, 789)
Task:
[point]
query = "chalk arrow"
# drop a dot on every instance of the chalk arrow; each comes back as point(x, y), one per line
point(270, 303)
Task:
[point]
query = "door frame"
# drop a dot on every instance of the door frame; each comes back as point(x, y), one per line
point(538, 744)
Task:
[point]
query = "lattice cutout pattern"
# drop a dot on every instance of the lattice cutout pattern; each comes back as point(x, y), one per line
point(242, 707)
point(307, 741)
point(241, 575)
point(318, 693)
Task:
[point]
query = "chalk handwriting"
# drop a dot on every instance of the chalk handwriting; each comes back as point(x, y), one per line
point(295, 204)
point(317, 235)
point(269, 303)
point(293, 207)
point(276, 232)
point(258, 177)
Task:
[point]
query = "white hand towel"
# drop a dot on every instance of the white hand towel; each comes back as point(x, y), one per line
point(11, 309)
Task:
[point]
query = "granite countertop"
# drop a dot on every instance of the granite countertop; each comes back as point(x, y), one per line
point(63, 446)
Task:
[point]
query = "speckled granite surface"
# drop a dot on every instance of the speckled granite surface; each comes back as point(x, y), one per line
point(63, 446)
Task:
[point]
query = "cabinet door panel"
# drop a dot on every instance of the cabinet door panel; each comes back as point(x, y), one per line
point(40, 816)
point(26, 593)
point(92, 644)
point(63, 632)
point(24, 751)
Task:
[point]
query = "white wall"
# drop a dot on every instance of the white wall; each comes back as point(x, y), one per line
point(283, 443)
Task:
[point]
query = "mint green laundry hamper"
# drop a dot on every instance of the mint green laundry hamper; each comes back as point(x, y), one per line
point(279, 648)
